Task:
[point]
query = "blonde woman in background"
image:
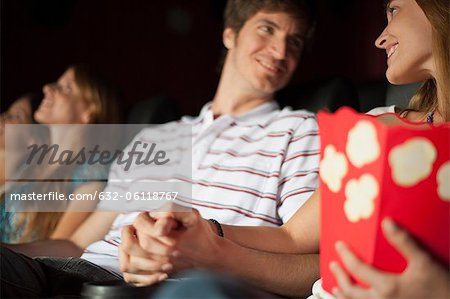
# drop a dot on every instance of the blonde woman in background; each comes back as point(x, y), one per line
point(79, 96)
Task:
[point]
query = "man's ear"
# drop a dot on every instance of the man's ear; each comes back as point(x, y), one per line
point(229, 38)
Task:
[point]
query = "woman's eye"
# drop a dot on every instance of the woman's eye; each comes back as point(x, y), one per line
point(14, 117)
point(392, 11)
point(64, 88)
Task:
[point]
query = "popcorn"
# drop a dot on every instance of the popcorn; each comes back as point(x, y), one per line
point(412, 161)
point(362, 144)
point(333, 168)
point(373, 188)
point(360, 197)
point(443, 181)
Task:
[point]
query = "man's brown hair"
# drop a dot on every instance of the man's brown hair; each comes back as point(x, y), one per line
point(237, 12)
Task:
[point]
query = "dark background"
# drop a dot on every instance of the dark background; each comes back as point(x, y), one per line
point(166, 47)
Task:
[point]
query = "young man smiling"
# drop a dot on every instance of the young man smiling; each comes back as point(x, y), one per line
point(252, 163)
point(264, 41)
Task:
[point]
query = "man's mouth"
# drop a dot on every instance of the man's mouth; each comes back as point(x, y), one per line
point(270, 66)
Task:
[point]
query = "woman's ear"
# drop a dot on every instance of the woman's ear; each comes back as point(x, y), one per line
point(229, 37)
point(87, 115)
point(86, 118)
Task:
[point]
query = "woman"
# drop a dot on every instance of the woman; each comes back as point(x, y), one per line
point(78, 97)
point(417, 44)
point(19, 112)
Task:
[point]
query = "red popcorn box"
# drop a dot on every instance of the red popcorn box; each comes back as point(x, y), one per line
point(373, 167)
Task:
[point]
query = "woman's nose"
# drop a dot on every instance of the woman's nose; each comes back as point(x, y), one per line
point(380, 42)
point(49, 87)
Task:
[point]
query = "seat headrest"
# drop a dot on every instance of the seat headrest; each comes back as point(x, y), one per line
point(329, 94)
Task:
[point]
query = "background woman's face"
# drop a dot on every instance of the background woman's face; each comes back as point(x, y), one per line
point(408, 44)
point(18, 113)
point(63, 102)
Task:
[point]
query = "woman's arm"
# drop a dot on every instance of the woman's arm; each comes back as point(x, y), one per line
point(93, 229)
point(71, 221)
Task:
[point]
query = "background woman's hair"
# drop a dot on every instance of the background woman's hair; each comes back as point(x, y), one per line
point(100, 92)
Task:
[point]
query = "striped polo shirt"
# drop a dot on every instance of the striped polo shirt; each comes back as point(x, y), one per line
point(257, 168)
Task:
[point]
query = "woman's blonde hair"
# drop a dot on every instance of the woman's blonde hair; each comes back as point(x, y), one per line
point(426, 98)
point(97, 91)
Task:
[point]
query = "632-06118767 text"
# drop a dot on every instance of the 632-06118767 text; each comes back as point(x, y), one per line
point(155, 195)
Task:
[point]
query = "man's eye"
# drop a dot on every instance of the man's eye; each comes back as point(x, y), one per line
point(267, 29)
point(296, 43)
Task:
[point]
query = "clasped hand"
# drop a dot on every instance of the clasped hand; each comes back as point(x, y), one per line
point(160, 243)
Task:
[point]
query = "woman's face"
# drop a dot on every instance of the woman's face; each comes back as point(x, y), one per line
point(63, 102)
point(407, 41)
point(18, 113)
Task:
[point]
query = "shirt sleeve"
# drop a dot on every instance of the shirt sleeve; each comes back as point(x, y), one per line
point(300, 169)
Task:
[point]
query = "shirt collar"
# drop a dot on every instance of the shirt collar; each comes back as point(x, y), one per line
point(259, 115)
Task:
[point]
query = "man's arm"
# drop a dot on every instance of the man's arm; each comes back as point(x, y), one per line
point(299, 235)
point(91, 230)
point(152, 247)
point(289, 275)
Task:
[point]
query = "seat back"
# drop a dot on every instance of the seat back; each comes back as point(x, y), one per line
point(154, 110)
point(379, 93)
point(329, 94)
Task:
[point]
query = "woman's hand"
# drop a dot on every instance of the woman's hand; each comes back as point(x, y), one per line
point(423, 277)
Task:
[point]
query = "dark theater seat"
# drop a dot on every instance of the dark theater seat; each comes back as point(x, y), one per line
point(328, 94)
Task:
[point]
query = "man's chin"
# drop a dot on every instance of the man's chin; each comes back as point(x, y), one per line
point(270, 87)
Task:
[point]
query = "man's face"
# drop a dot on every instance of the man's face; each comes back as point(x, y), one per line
point(265, 53)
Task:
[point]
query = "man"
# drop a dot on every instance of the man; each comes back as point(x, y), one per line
point(262, 51)
point(252, 163)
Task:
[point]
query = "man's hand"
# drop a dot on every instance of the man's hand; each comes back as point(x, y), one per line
point(159, 243)
point(197, 242)
point(423, 277)
point(146, 249)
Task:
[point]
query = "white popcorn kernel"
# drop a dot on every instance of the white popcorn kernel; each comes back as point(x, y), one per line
point(333, 168)
point(362, 144)
point(443, 181)
point(360, 197)
point(412, 161)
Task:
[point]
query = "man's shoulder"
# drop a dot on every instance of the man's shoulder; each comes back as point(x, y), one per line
point(301, 113)
point(165, 128)
point(293, 118)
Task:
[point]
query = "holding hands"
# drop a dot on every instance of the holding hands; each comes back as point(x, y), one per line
point(423, 278)
point(159, 243)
